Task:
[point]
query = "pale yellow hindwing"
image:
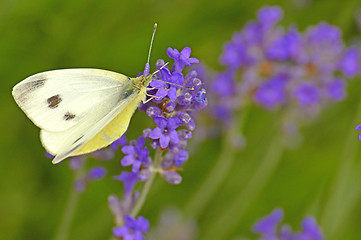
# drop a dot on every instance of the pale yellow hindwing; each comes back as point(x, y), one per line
point(114, 129)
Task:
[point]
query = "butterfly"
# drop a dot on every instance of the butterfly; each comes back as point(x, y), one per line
point(80, 110)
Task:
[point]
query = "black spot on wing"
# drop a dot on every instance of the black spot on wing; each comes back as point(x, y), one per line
point(54, 101)
point(69, 116)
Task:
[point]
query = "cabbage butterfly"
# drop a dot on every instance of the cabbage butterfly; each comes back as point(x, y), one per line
point(80, 110)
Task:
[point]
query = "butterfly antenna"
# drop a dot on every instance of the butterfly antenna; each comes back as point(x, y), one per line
point(151, 42)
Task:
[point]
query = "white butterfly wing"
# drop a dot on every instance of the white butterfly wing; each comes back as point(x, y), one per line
point(60, 99)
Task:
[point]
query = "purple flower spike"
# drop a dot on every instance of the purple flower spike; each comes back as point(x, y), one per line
point(267, 225)
point(181, 59)
point(129, 179)
point(133, 228)
point(136, 154)
point(165, 131)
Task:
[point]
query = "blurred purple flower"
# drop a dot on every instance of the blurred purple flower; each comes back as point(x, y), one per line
point(96, 173)
point(271, 93)
point(350, 63)
point(129, 179)
point(267, 228)
point(307, 94)
point(133, 228)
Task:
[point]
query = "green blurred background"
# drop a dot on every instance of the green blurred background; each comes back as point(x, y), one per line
point(42, 35)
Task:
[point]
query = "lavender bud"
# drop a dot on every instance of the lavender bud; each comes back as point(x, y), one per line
point(185, 134)
point(170, 106)
point(191, 125)
point(146, 132)
point(185, 117)
point(115, 207)
point(153, 111)
point(185, 99)
point(172, 177)
point(155, 144)
point(160, 63)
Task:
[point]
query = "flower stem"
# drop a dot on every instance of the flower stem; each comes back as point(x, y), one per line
point(198, 202)
point(144, 193)
point(343, 197)
point(240, 203)
point(71, 205)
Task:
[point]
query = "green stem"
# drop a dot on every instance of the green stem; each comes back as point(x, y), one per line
point(231, 216)
point(335, 206)
point(71, 205)
point(198, 202)
point(144, 193)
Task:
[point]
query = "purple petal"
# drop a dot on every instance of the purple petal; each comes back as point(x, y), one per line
point(129, 179)
point(120, 231)
point(143, 224)
point(127, 160)
point(140, 143)
point(173, 123)
point(164, 141)
point(172, 53)
point(156, 133)
point(172, 93)
point(174, 137)
point(129, 149)
point(186, 52)
point(161, 122)
point(358, 127)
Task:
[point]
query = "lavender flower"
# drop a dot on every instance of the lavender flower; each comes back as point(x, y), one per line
point(136, 154)
point(129, 179)
point(175, 100)
point(165, 131)
point(181, 58)
point(133, 228)
point(275, 67)
point(267, 228)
